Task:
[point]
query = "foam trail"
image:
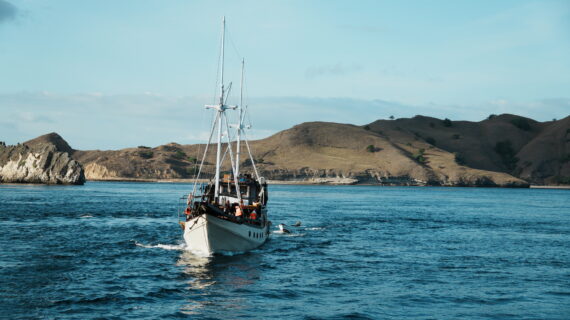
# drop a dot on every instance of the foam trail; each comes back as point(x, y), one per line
point(162, 246)
point(200, 254)
point(284, 234)
point(183, 246)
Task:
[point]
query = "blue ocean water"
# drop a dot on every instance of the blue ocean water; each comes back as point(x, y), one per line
point(115, 251)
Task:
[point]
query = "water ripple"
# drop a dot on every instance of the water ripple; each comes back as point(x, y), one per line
point(115, 251)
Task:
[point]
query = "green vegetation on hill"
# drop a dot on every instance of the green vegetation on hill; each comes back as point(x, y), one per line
point(419, 156)
point(179, 154)
point(521, 123)
point(146, 154)
point(459, 158)
point(507, 154)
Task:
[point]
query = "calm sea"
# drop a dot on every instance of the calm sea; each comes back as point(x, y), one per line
point(114, 251)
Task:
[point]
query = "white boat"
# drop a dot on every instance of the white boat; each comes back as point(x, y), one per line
point(227, 214)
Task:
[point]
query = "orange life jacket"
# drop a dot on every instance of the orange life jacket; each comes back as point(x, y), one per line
point(253, 215)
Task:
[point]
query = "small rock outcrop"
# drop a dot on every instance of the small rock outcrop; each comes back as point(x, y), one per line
point(45, 160)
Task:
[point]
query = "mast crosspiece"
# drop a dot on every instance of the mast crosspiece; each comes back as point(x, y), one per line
point(220, 120)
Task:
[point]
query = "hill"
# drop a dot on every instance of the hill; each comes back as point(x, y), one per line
point(505, 150)
point(410, 151)
point(535, 151)
point(46, 160)
point(52, 140)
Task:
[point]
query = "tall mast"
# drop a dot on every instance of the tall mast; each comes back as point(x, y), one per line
point(240, 125)
point(222, 57)
point(220, 110)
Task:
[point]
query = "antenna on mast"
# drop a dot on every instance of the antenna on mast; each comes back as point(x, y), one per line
point(222, 60)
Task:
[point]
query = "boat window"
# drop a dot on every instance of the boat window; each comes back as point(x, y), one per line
point(249, 234)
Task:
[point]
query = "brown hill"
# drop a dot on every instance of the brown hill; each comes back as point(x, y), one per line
point(535, 151)
point(415, 151)
point(321, 150)
point(164, 162)
point(546, 159)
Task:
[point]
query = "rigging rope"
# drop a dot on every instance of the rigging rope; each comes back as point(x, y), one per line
point(202, 162)
point(232, 163)
point(251, 156)
point(229, 36)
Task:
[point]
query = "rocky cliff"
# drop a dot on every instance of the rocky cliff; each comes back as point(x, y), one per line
point(46, 160)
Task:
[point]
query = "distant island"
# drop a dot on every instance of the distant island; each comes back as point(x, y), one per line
point(502, 151)
point(44, 160)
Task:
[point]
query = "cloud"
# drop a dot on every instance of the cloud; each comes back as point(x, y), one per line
point(102, 121)
point(31, 117)
point(542, 110)
point(334, 70)
point(99, 121)
point(7, 11)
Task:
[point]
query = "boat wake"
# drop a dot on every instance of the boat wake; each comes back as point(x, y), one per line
point(183, 247)
point(162, 246)
point(287, 234)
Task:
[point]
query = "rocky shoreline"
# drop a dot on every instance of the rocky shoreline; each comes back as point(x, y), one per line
point(322, 181)
point(22, 164)
point(39, 162)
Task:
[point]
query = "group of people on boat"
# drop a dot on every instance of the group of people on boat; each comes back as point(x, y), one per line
point(236, 211)
point(240, 211)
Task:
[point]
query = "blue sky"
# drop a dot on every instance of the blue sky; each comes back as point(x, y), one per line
point(111, 74)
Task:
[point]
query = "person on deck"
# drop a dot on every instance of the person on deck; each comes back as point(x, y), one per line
point(253, 215)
